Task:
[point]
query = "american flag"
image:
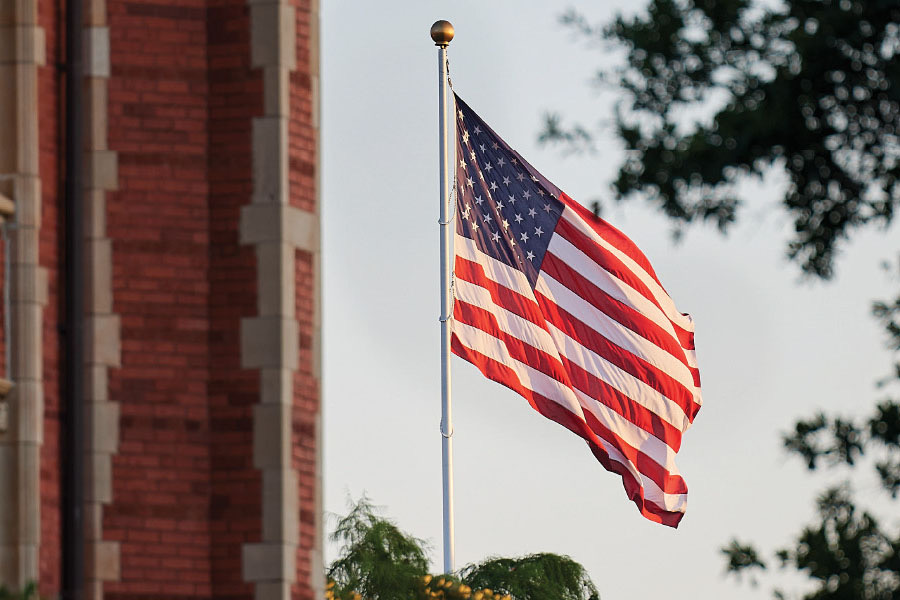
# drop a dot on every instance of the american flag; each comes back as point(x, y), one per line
point(561, 307)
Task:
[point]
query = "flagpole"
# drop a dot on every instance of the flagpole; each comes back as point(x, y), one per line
point(442, 33)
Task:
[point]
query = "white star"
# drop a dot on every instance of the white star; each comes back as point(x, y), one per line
point(531, 212)
point(547, 208)
point(540, 192)
point(519, 218)
point(488, 218)
point(505, 224)
point(460, 114)
point(530, 255)
point(524, 237)
point(470, 182)
point(466, 213)
point(488, 168)
point(495, 146)
point(500, 205)
point(472, 154)
point(462, 163)
point(512, 199)
point(520, 176)
point(500, 161)
point(494, 186)
point(514, 161)
point(527, 194)
point(538, 231)
point(479, 200)
point(506, 181)
point(466, 137)
point(495, 236)
point(512, 242)
point(477, 130)
point(474, 226)
point(482, 147)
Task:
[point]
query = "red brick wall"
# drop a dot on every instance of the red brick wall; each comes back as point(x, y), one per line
point(49, 79)
point(305, 438)
point(185, 496)
point(235, 98)
point(158, 223)
point(303, 163)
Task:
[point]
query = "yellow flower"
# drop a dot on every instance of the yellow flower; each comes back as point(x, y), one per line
point(330, 585)
point(464, 589)
point(448, 584)
point(439, 582)
point(426, 579)
point(478, 596)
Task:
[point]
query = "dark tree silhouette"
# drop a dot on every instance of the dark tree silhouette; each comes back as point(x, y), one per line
point(810, 88)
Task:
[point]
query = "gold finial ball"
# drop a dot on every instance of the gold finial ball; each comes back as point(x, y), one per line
point(442, 33)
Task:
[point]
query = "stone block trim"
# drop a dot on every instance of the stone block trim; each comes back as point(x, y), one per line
point(22, 52)
point(102, 326)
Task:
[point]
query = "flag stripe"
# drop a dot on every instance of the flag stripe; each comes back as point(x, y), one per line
point(572, 291)
point(565, 252)
point(497, 365)
point(523, 306)
point(639, 368)
point(621, 265)
point(611, 385)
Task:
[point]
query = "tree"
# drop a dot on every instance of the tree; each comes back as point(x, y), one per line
point(810, 88)
point(379, 562)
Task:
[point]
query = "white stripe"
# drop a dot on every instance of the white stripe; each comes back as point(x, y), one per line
point(614, 331)
point(630, 433)
point(497, 271)
point(624, 382)
point(668, 306)
point(509, 322)
point(550, 388)
point(534, 380)
point(556, 341)
point(573, 257)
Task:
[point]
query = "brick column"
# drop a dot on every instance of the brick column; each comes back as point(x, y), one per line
point(21, 52)
point(271, 341)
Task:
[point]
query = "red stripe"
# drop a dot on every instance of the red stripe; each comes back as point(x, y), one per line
point(630, 410)
point(646, 466)
point(612, 235)
point(535, 358)
point(628, 362)
point(512, 301)
point(635, 491)
point(502, 374)
point(613, 308)
point(609, 262)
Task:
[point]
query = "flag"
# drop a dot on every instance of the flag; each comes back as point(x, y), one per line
point(561, 307)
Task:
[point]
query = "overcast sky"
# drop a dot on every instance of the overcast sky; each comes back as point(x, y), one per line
point(771, 347)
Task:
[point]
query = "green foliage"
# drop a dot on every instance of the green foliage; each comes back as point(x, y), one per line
point(29, 592)
point(379, 562)
point(809, 87)
point(534, 577)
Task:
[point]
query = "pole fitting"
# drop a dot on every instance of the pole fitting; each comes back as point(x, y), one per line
point(442, 33)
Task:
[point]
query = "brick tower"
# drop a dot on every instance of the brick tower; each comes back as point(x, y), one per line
point(202, 298)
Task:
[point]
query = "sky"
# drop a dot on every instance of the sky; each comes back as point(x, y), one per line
point(772, 347)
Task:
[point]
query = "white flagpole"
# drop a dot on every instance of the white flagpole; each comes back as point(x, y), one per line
point(442, 33)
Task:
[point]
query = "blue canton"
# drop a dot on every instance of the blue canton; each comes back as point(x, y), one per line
point(504, 205)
